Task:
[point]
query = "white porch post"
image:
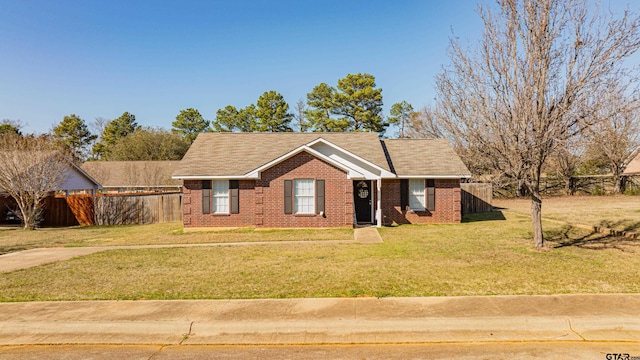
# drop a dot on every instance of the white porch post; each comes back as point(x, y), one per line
point(379, 202)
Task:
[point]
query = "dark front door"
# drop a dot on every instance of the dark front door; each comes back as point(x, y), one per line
point(362, 200)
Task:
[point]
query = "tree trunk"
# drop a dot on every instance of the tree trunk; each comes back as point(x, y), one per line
point(536, 217)
point(521, 188)
point(568, 186)
point(619, 185)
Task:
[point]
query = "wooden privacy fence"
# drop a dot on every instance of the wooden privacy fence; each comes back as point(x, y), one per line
point(117, 209)
point(137, 209)
point(69, 211)
point(476, 197)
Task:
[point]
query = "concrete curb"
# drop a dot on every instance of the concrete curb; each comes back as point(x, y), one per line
point(569, 318)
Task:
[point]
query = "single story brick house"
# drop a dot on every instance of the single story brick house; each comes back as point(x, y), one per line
point(290, 180)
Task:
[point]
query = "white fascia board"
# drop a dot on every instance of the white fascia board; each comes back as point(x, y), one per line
point(255, 174)
point(433, 176)
point(383, 173)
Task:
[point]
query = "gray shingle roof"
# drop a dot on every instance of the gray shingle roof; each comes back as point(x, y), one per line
point(236, 154)
point(424, 157)
point(133, 173)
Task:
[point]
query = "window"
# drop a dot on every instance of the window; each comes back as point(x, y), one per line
point(416, 194)
point(220, 196)
point(303, 202)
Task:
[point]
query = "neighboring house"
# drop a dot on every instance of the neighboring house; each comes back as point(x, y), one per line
point(633, 168)
point(290, 180)
point(78, 181)
point(134, 176)
point(74, 181)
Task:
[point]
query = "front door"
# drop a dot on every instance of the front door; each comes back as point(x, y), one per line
point(362, 201)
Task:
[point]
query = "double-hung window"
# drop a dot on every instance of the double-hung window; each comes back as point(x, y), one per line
point(303, 201)
point(220, 196)
point(417, 194)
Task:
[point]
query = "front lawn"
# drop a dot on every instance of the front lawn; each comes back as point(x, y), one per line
point(156, 234)
point(618, 212)
point(487, 254)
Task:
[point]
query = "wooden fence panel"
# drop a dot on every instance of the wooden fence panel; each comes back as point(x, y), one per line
point(57, 213)
point(138, 209)
point(476, 197)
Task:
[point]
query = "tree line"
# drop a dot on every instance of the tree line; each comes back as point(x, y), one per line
point(354, 104)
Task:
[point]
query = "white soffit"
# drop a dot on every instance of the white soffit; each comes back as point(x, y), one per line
point(369, 170)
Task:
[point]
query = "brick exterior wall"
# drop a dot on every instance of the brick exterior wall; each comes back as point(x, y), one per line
point(447, 210)
point(192, 206)
point(262, 201)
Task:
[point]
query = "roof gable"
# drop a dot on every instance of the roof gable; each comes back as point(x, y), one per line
point(238, 154)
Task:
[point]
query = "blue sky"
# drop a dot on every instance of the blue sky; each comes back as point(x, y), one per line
point(154, 58)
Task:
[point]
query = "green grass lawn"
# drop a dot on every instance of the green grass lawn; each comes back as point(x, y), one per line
point(488, 254)
point(616, 212)
point(166, 233)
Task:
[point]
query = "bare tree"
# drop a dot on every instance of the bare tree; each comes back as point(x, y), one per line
point(300, 121)
point(423, 124)
point(97, 127)
point(566, 160)
point(614, 138)
point(32, 168)
point(522, 91)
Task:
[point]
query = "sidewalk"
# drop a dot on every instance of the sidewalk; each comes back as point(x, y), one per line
point(558, 318)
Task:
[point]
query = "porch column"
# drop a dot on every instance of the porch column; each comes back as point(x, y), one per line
point(379, 203)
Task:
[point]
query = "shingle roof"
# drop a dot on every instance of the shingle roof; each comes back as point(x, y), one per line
point(221, 154)
point(133, 173)
point(424, 157)
point(236, 154)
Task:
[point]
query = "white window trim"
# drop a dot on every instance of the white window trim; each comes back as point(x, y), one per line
point(413, 198)
point(312, 196)
point(215, 196)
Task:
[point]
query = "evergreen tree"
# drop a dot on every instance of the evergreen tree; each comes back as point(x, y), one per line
point(272, 113)
point(73, 133)
point(189, 123)
point(354, 105)
point(400, 114)
point(114, 131)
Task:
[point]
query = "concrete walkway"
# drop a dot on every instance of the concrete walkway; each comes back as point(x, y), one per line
point(559, 318)
point(35, 257)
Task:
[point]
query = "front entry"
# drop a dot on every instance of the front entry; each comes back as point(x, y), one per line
point(362, 195)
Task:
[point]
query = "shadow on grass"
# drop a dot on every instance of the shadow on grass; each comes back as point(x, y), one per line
point(486, 216)
point(566, 237)
point(627, 225)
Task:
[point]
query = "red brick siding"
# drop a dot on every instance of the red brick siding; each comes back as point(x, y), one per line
point(192, 206)
point(338, 194)
point(448, 206)
point(262, 201)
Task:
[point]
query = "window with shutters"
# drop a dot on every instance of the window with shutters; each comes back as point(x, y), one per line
point(220, 197)
point(303, 199)
point(417, 195)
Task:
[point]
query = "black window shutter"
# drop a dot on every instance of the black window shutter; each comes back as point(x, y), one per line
point(288, 197)
point(431, 194)
point(206, 196)
point(234, 189)
point(404, 194)
point(319, 196)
